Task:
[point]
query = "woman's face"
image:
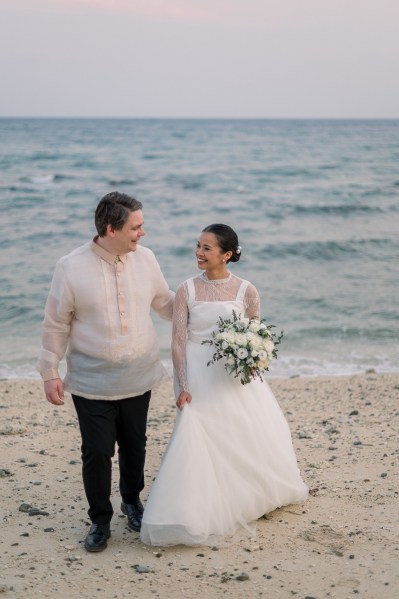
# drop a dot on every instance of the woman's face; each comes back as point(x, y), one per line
point(209, 254)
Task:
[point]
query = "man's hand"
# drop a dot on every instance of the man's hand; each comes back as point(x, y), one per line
point(183, 398)
point(54, 391)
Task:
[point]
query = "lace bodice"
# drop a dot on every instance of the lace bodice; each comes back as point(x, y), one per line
point(198, 304)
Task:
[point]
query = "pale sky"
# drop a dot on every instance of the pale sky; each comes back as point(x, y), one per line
point(200, 58)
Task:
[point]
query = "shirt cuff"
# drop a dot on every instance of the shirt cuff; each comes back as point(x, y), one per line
point(48, 375)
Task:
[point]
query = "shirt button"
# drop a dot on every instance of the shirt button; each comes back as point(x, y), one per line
point(122, 314)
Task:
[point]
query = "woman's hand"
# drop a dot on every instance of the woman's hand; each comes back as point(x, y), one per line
point(183, 398)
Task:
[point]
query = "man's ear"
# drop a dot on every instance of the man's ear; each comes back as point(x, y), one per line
point(110, 231)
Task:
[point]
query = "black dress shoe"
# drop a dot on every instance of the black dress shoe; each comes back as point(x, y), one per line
point(96, 539)
point(134, 512)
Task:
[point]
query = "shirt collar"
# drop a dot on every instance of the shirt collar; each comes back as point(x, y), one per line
point(102, 253)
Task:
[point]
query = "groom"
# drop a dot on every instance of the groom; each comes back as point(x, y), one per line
point(98, 312)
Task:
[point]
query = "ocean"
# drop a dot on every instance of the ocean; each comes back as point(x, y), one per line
point(315, 204)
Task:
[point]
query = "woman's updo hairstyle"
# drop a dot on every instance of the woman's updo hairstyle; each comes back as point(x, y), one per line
point(227, 240)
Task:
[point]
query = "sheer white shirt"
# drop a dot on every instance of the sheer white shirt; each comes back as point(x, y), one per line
point(98, 312)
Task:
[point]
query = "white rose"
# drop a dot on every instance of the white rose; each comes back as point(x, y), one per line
point(268, 345)
point(242, 353)
point(263, 364)
point(254, 327)
point(241, 339)
point(256, 341)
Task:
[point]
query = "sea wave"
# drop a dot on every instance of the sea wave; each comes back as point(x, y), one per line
point(345, 210)
point(325, 250)
point(39, 179)
point(286, 366)
point(121, 182)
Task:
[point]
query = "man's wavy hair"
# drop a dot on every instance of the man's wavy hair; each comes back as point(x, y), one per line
point(114, 209)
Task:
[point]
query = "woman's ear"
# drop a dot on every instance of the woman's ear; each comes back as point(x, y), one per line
point(227, 256)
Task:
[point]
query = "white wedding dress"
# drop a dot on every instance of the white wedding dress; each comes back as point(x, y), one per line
point(230, 459)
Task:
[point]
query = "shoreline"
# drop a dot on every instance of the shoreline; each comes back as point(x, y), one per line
point(343, 540)
point(35, 376)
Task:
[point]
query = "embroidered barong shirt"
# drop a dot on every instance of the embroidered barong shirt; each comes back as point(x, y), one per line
point(98, 312)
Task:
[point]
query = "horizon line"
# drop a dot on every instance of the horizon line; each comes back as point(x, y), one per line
point(210, 118)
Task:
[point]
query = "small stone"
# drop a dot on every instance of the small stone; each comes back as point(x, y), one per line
point(5, 472)
point(143, 569)
point(243, 576)
point(354, 413)
point(332, 431)
point(384, 475)
point(25, 507)
point(25, 534)
point(36, 482)
point(74, 461)
point(8, 429)
point(49, 529)
point(3, 588)
point(72, 558)
point(37, 512)
point(357, 443)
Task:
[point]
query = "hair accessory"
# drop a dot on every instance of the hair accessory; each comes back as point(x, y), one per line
point(238, 250)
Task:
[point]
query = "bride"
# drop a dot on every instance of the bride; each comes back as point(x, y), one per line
point(230, 459)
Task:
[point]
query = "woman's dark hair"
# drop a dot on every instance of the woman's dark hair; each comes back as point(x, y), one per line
point(114, 209)
point(227, 240)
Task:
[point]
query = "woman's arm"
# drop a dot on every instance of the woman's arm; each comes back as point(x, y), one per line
point(179, 341)
point(252, 302)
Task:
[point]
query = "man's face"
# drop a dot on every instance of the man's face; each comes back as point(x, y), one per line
point(125, 240)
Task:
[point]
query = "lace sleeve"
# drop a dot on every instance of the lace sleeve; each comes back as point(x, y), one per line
point(179, 336)
point(252, 302)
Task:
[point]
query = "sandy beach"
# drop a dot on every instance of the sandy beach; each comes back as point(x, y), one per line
point(342, 542)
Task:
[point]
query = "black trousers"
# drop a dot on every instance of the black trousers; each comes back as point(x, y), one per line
point(102, 424)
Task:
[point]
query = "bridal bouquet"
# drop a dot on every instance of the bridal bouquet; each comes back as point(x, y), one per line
point(248, 346)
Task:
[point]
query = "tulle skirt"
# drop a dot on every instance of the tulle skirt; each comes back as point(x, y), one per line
point(229, 461)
